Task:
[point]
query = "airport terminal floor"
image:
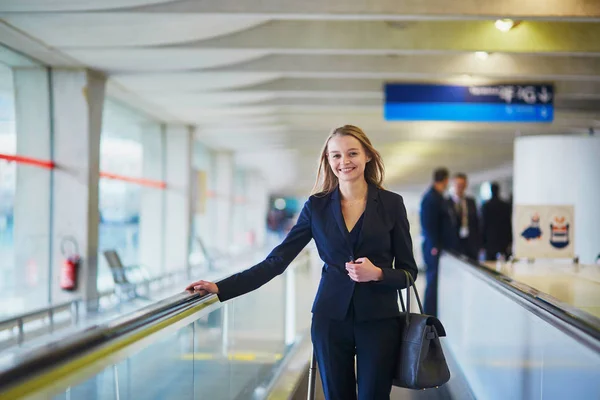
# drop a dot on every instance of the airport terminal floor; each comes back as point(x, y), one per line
point(148, 144)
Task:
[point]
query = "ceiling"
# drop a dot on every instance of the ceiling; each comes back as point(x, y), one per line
point(269, 79)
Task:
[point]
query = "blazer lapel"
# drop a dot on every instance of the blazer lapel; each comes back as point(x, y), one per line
point(336, 209)
point(370, 214)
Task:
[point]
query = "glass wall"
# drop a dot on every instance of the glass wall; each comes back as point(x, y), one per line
point(24, 188)
point(121, 157)
point(240, 231)
point(8, 144)
point(201, 238)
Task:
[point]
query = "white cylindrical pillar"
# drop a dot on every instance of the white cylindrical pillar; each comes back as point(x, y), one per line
point(178, 169)
point(78, 102)
point(152, 218)
point(224, 174)
point(562, 170)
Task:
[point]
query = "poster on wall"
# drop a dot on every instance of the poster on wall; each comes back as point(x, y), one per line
point(544, 231)
point(199, 190)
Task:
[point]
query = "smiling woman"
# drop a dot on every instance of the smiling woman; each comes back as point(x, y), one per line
point(362, 234)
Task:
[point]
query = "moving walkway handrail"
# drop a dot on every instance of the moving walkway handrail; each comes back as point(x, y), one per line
point(58, 352)
point(542, 304)
point(37, 362)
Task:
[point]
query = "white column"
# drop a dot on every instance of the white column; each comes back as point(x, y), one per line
point(239, 227)
point(224, 199)
point(258, 203)
point(78, 99)
point(152, 214)
point(557, 170)
point(32, 201)
point(202, 160)
point(178, 197)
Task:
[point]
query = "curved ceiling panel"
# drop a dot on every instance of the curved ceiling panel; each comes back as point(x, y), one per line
point(127, 29)
point(240, 123)
point(72, 5)
point(226, 112)
point(211, 99)
point(191, 81)
point(152, 59)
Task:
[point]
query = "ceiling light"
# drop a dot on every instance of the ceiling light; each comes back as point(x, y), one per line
point(482, 55)
point(504, 25)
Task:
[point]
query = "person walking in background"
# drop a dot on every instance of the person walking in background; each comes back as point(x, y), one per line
point(437, 232)
point(362, 234)
point(496, 215)
point(466, 219)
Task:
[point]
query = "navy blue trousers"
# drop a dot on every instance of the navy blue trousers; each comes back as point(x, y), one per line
point(431, 290)
point(375, 344)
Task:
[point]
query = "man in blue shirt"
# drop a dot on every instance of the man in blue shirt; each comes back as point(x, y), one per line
point(437, 230)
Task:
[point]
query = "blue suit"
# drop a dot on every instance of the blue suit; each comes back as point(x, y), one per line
point(438, 232)
point(348, 317)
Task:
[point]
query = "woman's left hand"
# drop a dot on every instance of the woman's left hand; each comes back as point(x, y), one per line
point(363, 270)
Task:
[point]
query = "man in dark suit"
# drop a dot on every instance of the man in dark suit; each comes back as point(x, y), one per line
point(496, 217)
point(465, 218)
point(437, 234)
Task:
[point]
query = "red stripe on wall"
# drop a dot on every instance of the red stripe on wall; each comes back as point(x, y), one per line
point(27, 160)
point(139, 181)
point(50, 165)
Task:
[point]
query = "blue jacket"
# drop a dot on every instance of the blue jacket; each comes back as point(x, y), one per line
point(384, 239)
point(437, 226)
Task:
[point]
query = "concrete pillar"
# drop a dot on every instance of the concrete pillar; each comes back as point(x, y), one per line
point(152, 213)
point(238, 222)
point(33, 185)
point(257, 198)
point(555, 170)
point(203, 229)
point(178, 216)
point(78, 100)
point(224, 171)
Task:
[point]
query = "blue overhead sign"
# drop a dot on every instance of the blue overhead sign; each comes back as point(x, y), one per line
point(489, 103)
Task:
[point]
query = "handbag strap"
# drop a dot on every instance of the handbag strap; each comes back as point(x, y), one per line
point(409, 282)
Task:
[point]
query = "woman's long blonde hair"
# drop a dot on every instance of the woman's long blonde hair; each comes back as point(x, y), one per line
point(374, 170)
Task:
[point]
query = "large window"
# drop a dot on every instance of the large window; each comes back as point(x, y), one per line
point(201, 233)
point(7, 188)
point(24, 188)
point(121, 155)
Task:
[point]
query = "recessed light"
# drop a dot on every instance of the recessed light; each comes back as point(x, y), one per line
point(482, 55)
point(504, 25)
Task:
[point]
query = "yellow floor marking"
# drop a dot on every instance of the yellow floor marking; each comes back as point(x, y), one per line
point(233, 356)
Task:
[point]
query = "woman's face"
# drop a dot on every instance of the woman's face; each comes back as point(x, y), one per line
point(347, 158)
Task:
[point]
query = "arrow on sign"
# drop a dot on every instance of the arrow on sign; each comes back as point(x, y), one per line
point(544, 95)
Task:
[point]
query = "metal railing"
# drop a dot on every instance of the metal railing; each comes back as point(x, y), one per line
point(576, 323)
point(14, 327)
point(16, 330)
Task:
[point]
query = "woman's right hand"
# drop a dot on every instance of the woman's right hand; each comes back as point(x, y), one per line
point(203, 287)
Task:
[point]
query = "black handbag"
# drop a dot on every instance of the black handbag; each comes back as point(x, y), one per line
point(421, 363)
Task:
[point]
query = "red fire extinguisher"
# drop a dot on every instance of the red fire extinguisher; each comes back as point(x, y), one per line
point(68, 273)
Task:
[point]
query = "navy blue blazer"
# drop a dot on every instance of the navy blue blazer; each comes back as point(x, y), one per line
point(384, 239)
point(437, 226)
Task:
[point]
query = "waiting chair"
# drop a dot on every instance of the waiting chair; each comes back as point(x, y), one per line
point(127, 279)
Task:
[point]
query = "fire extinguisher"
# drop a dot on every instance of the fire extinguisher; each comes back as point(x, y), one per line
point(68, 273)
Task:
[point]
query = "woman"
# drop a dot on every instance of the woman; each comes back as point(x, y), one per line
point(360, 229)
